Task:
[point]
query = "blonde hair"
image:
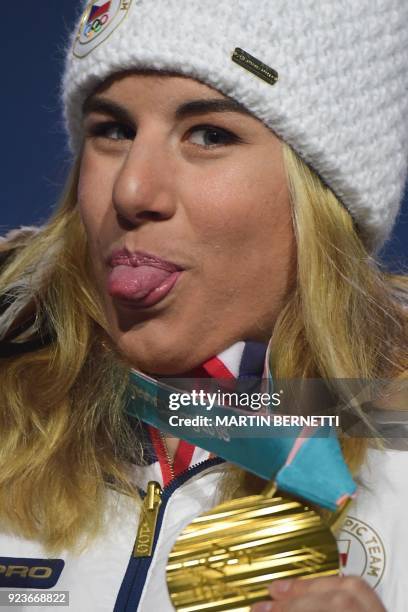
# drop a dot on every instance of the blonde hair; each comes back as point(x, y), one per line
point(65, 437)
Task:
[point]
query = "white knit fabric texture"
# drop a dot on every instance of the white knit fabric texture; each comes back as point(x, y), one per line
point(341, 100)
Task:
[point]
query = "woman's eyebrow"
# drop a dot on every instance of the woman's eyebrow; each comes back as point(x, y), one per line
point(209, 105)
point(98, 104)
point(191, 108)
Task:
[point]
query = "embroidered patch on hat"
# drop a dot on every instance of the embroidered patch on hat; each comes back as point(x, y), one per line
point(100, 19)
point(249, 62)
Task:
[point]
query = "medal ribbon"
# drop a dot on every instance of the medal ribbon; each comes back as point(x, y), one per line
point(307, 463)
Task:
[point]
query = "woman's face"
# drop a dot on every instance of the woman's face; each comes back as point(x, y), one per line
point(193, 189)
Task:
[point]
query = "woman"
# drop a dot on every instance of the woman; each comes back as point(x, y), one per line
point(215, 207)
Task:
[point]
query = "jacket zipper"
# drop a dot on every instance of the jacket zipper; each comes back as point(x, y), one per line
point(151, 505)
point(166, 452)
point(148, 520)
point(134, 580)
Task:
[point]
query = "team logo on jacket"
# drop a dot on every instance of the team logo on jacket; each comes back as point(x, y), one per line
point(29, 573)
point(100, 19)
point(362, 551)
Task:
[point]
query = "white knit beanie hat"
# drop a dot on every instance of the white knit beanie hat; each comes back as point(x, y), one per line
point(336, 71)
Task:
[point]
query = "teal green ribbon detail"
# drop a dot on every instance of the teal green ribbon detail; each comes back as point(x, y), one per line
point(317, 472)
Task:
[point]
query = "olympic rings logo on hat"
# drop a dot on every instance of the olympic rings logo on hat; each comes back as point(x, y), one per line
point(99, 20)
point(95, 24)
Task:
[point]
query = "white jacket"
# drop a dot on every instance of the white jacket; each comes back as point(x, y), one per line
point(373, 542)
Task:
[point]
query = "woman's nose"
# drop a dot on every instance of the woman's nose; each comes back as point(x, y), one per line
point(144, 187)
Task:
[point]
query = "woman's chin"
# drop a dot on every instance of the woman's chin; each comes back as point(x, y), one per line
point(155, 367)
point(154, 360)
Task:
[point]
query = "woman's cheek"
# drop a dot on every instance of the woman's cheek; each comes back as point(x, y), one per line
point(94, 197)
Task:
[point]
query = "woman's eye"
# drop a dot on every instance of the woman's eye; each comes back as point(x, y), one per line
point(206, 136)
point(111, 130)
point(210, 136)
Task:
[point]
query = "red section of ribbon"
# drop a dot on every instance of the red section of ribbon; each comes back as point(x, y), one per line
point(183, 457)
point(213, 368)
point(161, 454)
point(216, 369)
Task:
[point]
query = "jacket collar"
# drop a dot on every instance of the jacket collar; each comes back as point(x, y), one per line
point(244, 359)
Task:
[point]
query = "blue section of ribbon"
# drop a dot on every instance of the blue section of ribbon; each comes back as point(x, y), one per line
point(316, 472)
point(252, 360)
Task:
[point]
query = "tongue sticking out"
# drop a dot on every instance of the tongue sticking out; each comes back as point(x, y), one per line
point(135, 283)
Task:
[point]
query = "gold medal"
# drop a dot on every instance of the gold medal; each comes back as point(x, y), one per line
point(225, 558)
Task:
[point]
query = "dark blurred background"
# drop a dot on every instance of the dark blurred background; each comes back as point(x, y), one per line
point(35, 159)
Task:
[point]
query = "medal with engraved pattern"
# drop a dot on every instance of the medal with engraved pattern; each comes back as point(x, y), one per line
point(225, 558)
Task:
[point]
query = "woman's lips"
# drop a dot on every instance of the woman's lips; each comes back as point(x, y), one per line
point(141, 279)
